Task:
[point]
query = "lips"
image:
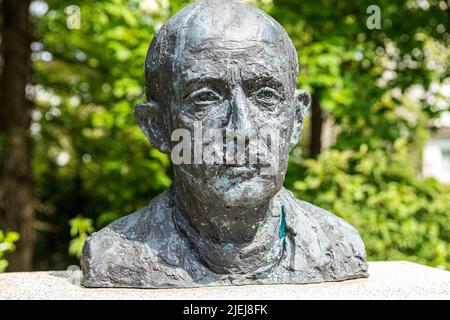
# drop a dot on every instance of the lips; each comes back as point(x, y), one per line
point(243, 166)
point(246, 170)
point(241, 169)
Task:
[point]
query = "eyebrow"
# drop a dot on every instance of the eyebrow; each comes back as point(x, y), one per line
point(262, 79)
point(190, 84)
point(220, 75)
point(202, 80)
point(193, 74)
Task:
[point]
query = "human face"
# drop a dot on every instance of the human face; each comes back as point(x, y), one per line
point(242, 88)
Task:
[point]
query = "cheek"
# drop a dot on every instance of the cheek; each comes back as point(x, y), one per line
point(280, 121)
point(217, 117)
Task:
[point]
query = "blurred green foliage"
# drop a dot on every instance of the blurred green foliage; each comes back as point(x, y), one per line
point(364, 78)
point(80, 228)
point(361, 75)
point(7, 245)
point(92, 165)
point(399, 217)
point(85, 113)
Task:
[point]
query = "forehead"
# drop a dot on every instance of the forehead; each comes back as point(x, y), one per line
point(220, 57)
point(228, 20)
point(215, 40)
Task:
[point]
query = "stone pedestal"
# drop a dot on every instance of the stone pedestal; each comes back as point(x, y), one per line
point(388, 280)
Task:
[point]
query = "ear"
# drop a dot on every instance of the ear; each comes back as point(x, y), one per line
point(149, 117)
point(302, 105)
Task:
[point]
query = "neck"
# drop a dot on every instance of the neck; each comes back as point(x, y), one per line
point(230, 239)
point(220, 223)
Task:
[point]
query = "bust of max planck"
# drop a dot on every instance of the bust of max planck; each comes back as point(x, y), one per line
point(228, 67)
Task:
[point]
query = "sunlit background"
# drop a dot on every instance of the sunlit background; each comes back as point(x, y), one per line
point(375, 148)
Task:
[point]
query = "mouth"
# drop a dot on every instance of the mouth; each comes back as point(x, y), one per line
point(243, 165)
point(241, 169)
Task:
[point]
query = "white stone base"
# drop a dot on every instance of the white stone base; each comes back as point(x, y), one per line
point(388, 280)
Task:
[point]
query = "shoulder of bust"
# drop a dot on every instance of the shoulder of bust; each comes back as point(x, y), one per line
point(138, 248)
point(333, 246)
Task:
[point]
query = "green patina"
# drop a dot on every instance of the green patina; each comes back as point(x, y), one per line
point(228, 246)
point(282, 229)
point(225, 181)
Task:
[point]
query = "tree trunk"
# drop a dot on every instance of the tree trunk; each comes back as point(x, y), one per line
point(16, 192)
point(315, 146)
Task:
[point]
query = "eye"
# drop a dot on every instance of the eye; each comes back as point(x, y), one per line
point(204, 96)
point(267, 96)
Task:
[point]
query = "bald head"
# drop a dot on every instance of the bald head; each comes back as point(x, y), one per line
point(219, 29)
point(229, 68)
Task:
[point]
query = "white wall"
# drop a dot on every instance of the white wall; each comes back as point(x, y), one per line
point(433, 160)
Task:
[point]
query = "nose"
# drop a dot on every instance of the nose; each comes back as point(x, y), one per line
point(240, 127)
point(240, 122)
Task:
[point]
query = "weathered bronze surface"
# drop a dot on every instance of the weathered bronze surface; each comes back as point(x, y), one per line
point(226, 66)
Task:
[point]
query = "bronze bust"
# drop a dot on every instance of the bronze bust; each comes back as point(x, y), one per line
point(231, 68)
